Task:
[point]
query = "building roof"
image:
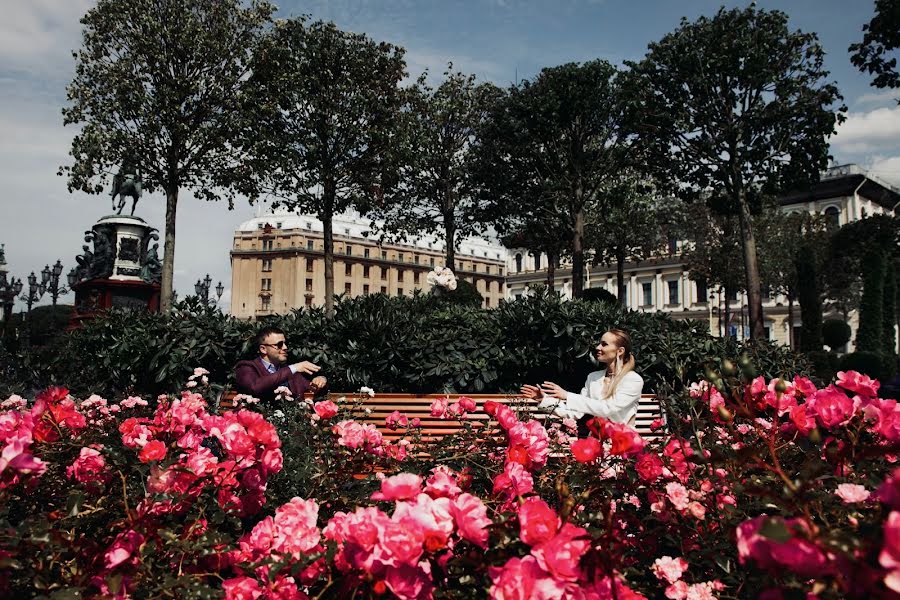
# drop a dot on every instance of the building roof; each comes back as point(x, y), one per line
point(843, 180)
point(354, 226)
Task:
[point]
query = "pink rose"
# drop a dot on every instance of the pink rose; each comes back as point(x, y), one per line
point(396, 419)
point(515, 480)
point(796, 554)
point(858, 383)
point(466, 403)
point(470, 515)
point(399, 487)
point(89, 468)
point(669, 569)
point(520, 578)
point(649, 467)
point(296, 529)
point(242, 588)
point(409, 582)
point(889, 558)
point(626, 441)
point(350, 434)
point(439, 407)
point(442, 484)
point(561, 554)
point(832, 407)
point(325, 409)
point(586, 450)
point(399, 544)
point(852, 492)
point(153, 450)
point(537, 521)
point(677, 495)
point(124, 546)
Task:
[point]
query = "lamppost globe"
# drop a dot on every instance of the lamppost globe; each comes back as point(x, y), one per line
point(72, 277)
point(45, 275)
point(57, 269)
point(220, 289)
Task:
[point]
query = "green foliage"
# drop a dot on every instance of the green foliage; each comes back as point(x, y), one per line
point(881, 39)
point(42, 325)
point(737, 106)
point(402, 344)
point(869, 334)
point(872, 364)
point(889, 309)
point(599, 295)
point(810, 297)
point(824, 364)
point(437, 195)
point(323, 153)
point(835, 333)
point(465, 294)
point(161, 84)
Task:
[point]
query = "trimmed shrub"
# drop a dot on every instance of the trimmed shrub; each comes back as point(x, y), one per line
point(824, 364)
point(599, 295)
point(871, 309)
point(835, 333)
point(869, 363)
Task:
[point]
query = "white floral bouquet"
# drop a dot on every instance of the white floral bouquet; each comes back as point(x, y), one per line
point(442, 277)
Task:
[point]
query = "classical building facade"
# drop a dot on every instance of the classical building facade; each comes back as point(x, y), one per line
point(277, 264)
point(844, 194)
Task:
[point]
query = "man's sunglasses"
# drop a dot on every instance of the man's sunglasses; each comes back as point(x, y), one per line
point(279, 344)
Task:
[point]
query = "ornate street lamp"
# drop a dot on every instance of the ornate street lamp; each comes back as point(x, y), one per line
point(50, 280)
point(201, 288)
point(35, 290)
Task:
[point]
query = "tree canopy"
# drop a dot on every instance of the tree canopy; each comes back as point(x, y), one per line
point(161, 85)
point(738, 104)
point(877, 53)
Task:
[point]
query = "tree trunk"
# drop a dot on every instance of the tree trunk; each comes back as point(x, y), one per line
point(328, 238)
point(620, 276)
point(168, 265)
point(790, 296)
point(578, 256)
point(450, 240)
point(727, 311)
point(751, 270)
point(551, 270)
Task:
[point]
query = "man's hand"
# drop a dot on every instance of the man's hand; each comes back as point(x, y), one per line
point(305, 367)
point(318, 383)
point(532, 392)
point(554, 391)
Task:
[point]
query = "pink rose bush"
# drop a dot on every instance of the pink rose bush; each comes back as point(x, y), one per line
point(773, 488)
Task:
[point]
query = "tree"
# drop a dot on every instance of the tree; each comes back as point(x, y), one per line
point(871, 309)
point(435, 194)
point(881, 38)
point(889, 309)
point(161, 84)
point(329, 107)
point(633, 220)
point(552, 145)
point(737, 103)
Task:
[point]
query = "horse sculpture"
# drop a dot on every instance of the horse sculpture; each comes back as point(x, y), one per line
point(126, 182)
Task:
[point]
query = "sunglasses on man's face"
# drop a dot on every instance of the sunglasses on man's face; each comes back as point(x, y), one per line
point(279, 344)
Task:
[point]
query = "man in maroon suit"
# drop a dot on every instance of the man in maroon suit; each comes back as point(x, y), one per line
point(261, 376)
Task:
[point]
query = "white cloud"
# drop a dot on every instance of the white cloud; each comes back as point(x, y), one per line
point(870, 131)
point(37, 36)
point(884, 97)
point(887, 168)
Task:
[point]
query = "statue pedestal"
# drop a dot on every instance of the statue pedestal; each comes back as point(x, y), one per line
point(121, 271)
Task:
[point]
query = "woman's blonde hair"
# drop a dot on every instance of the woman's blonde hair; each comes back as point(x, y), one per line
point(623, 340)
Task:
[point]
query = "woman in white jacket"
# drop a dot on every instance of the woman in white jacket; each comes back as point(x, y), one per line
point(612, 393)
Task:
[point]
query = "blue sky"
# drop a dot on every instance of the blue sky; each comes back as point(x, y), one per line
point(497, 40)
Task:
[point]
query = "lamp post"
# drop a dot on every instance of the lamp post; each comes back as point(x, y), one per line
point(8, 292)
point(35, 290)
point(50, 278)
point(201, 288)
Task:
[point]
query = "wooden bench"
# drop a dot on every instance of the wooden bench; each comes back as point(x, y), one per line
point(418, 406)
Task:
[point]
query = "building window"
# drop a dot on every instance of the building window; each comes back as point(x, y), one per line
point(832, 217)
point(349, 250)
point(346, 231)
point(365, 252)
point(431, 261)
point(416, 278)
point(384, 273)
point(399, 291)
point(366, 271)
point(487, 301)
point(537, 262)
point(400, 274)
point(416, 259)
point(518, 263)
point(309, 284)
point(400, 256)
point(348, 269)
point(701, 291)
point(309, 265)
point(766, 292)
point(266, 284)
point(278, 225)
point(647, 289)
point(308, 225)
point(347, 288)
point(267, 265)
point(732, 296)
point(267, 244)
point(310, 244)
point(383, 290)
point(259, 225)
point(266, 303)
point(366, 289)
point(383, 255)
point(308, 301)
point(673, 246)
point(673, 291)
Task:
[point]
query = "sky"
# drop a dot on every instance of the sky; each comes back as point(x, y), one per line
point(501, 41)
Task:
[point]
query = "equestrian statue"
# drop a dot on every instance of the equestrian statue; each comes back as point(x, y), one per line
point(127, 182)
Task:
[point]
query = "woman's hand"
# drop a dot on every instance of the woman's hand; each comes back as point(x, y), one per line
point(552, 390)
point(532, 392)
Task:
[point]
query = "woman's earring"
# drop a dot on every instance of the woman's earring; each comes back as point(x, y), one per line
point(618, 364)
